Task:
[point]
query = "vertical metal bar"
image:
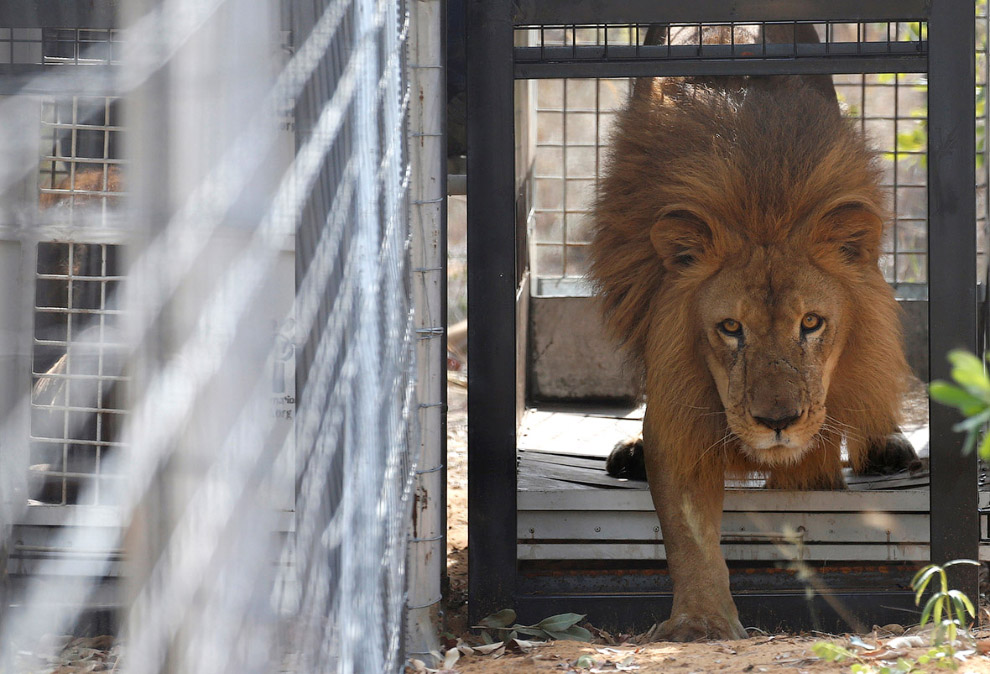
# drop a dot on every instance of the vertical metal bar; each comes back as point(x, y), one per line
point(895, 236)
point(952, 273)
point(427, 189)
point(368, 395)
point(491, 308)
point(564, 248)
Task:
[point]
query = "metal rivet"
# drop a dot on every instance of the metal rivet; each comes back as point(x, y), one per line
point(598, 529)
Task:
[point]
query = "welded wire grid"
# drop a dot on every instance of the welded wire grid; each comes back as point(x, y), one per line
point(575, 117)
point(81, 135)
point(563, 43)
point(267, 330)
point(77, 403)
point(355, 493)
point(982, 124)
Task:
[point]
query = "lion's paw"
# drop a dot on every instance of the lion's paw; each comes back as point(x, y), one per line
point(685, 627)
point(626, 460)
point(890, 454)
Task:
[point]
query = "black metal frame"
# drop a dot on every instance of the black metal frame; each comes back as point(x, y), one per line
point(492, 67)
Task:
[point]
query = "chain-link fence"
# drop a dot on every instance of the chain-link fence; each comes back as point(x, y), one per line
point(210, 416)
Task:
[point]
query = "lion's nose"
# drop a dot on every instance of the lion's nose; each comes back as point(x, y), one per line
point(780, 421)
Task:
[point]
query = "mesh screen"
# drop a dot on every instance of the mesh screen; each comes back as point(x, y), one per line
point(574, 119)
point(209, 412)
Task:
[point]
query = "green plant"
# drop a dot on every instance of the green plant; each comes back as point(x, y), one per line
point(832, 652)
point(952, 604)
point(971, 395)
point(557, 627)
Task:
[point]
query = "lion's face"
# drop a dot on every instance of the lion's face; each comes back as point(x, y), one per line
point(774, 326)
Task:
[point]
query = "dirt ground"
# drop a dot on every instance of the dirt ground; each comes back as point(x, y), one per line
point(893, 649)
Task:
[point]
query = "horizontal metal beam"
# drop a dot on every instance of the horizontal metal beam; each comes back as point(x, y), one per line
point(59, 14)
point(742, 51)
point(525, 70)
point(531, 12)
point(770, 612)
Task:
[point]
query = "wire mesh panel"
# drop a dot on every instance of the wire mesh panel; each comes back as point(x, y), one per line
point(212, 346)
point(354, 291)
point(574, 117)
point(77, 402)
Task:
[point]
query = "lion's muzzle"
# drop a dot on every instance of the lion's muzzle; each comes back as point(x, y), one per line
point(778, 420)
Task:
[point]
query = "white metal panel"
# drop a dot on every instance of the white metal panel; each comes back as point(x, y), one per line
point(745, 500)
point(748, 551)
point(872, 527)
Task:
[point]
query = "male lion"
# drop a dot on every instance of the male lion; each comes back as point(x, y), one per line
point(738, 229)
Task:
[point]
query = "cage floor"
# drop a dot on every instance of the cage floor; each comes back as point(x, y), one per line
point(564, 447)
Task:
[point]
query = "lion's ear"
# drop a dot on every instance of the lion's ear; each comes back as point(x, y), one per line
point(680, 238)
point(855, 228)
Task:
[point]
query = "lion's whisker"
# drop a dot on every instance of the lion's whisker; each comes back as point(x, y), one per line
point(721, 441)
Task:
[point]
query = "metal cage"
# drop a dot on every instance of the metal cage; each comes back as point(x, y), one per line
point(511, 42)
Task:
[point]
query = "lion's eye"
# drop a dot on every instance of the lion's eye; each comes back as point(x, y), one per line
point(731, 327)
point(811, 322)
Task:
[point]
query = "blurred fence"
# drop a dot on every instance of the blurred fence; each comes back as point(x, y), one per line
point(209, 403)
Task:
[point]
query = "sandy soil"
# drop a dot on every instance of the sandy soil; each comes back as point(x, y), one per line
point(776, 654)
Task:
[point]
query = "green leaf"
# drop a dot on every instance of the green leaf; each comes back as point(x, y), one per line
point(969, 442)
point(921, 579)
point(826, 650)
point(957, 562)
point(973, 423)
point(964, 601)
point(573, 633)
point(584, 662)
point(984, 451)
point(530, 631)
point(967, 370)
point(905, 666)
point(560, 622)
point(499, 620)
point(949, 394)
point(935, 599)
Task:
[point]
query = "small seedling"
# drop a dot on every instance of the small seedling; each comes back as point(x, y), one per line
point(953, 604)
point(947, 609)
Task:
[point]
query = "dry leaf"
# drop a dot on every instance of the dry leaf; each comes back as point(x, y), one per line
point(450, 658)
point(488, 648)
point(913, 641)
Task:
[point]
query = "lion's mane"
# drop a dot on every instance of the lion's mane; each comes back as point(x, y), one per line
point(763, 161)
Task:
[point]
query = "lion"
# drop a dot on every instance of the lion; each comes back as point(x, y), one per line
point(738, 227)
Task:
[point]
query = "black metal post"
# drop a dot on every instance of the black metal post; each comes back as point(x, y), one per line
point(491, 308)
point(951, 273)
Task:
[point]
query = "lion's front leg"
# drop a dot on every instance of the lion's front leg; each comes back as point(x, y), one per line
point(884, 455)
point(690, 511)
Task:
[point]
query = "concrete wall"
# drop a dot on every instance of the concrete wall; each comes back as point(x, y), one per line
point(571, 358)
